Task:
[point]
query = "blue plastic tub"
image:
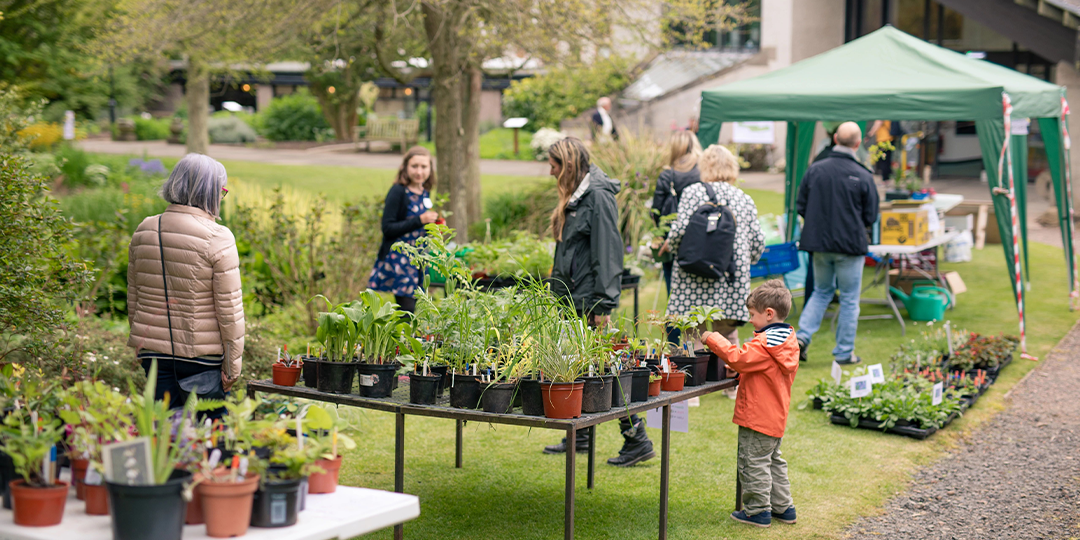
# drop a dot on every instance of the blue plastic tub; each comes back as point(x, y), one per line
point(777, 259)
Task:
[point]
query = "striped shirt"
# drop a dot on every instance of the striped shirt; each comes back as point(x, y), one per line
point(776, 335)
point(207, 360)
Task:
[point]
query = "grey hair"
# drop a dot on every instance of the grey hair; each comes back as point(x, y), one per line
point(197, 180)
point(603, 101)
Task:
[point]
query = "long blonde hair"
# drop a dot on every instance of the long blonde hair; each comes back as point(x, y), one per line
point(685, 150)
point(571, 154)
point(718, 164)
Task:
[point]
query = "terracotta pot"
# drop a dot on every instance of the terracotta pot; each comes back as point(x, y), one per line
point(97, 500)
point(38, 507)
point(672, 382)
point(654, 388)
point(325, 482)
point(78, 474)
point(227, 506)
point(562, 400)
point(286, 376)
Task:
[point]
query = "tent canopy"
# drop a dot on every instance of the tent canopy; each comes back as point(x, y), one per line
point(890, 75)
point(884, 75)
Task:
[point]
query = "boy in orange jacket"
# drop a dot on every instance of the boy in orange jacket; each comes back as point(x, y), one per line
point(767, 364)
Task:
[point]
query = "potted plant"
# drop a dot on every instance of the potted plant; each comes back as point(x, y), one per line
point(324, 428)
point(672, 380)
point(424, 382)
point(95, 415)
point(658, 235)
point(598, 351)
point(309, 369)
point(226, 494)
point(560, 383)
point(655, 381)
point(152, 507)
point(689, 324)
point(276, 502)
point(379, 332)
point(286, 371)
point(30, 440)
point(338, 333)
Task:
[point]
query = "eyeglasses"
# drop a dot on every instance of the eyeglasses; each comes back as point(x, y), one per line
point(224, 192)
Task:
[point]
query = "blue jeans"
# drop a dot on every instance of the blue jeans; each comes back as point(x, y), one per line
point(832, 271)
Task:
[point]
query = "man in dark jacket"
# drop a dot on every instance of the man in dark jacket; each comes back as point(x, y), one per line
point(603, 126)
point(838, 201)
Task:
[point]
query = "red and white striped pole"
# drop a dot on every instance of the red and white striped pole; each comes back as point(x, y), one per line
point(1074, 294)
point(1005, 168)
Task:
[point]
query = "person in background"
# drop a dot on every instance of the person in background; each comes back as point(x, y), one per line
point(587, 271)
point(720, 169)
point(886, 131)
point(681, 171)
point(603, 126)
point(768, 364)
point(185, 305)
point(838, 201)
point(407, 209)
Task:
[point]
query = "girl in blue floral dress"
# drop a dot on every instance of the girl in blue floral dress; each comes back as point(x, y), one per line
point(407, 209)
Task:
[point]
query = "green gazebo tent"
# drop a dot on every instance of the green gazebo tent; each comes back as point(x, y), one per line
point(891, 75)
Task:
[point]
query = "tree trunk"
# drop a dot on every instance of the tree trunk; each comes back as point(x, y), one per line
point(449, 132)
point(471, 124)
point(198, 101)
point(340, 115)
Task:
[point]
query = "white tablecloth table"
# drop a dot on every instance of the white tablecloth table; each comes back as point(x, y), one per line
point(347, 513)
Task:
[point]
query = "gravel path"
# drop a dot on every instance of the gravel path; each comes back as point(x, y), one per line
point(1017, 477)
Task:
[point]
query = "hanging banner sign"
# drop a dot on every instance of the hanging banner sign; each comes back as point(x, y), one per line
point(753, 133)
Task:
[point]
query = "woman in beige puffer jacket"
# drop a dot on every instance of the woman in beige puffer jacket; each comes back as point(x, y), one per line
point(198, 337)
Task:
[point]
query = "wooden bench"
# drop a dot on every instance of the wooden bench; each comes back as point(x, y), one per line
point(391, 130)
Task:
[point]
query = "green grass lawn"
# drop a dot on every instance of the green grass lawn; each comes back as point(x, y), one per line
point(499, 144)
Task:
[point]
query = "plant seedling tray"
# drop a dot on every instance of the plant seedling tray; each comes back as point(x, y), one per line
point(907, 431)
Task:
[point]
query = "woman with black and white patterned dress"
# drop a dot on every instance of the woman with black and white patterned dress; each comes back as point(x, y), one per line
point(718, 167)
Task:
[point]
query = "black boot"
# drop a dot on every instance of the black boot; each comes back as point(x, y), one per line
point(636, 444)
point(581, 446)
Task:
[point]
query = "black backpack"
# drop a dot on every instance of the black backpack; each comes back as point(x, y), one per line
point(708, 245)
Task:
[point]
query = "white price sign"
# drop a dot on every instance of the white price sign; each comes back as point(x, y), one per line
point(861, 386)
point(837, 372)
point(877, 374)
point(939, 392)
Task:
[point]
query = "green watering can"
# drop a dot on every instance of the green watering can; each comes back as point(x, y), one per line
point(925, 303)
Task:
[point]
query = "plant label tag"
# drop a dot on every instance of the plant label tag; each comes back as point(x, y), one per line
point(948, 337)
point(128, 462)
point(93, 478)
point(837, 372)
point(278, 509)
point(368, 380)
point(427, 203)
point(861, 386)
point(877, 374)
point(939, 393)
point(680, 417)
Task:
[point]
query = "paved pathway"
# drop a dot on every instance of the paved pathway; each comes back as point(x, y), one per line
point(339, 155)
point(1017, 477)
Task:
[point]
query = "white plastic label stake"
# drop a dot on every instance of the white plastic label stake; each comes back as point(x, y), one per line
point(939, 393)
point(948, 336)
point(877, 374)
point(93, 478)
point(592, 370)
point(861, 386)
point(837, 372)
point(425, 368)
point(215, 458)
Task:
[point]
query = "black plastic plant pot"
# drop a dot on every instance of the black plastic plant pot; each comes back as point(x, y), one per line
point(7, 475)
point(309, 370)
point(499, 397)
point(376, 380)
point(620, 392)
point(639, 388)
point(440, 371)
point(532, 400)
point(141, 512)
point(276, 504)
point(696, 368)
point(715, 370)
point(424, 389)
point(465, 392)
point(336, 377)
point(596, 397)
